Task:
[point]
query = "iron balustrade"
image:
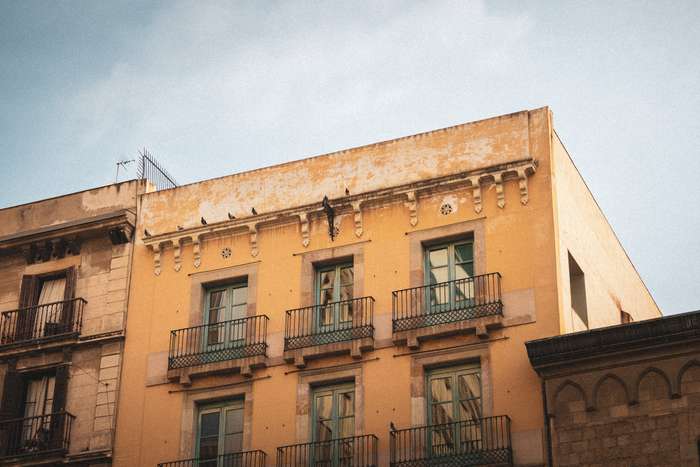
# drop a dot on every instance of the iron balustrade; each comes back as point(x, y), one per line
point(473, 442)
point(333, 322)
point(354, 451)
point(236, 459)
point(225, 340)
point(447, 302)
point(42, 322)
point(43, 434)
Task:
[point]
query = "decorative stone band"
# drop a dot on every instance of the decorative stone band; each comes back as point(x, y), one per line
point(496, 175)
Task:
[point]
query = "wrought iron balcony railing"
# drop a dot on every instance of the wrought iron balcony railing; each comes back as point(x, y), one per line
point(237, 459)
point(36, 436)
point(225, 340)
point(474, 442)
point(325, 324)
point(42, 322)
point(354, 451)
point(447, 302)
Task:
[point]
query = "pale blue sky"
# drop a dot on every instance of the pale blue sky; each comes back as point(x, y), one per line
point(215, 88)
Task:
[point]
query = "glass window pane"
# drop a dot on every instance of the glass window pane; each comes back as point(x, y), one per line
point(346, 311)
point(346, 404)
point(326, 315)
point(470, 409)
point(209, 447)
point(469, 385)
point(347, 427)
point(464, 270)
point(234, 420)
point(209, 424)
point(240, 295)
point(324, 407)
point(346, 292)
point(438, 275)
point(327, 279)
point(464, 252)
point(239, 311)
point(442, 413)
point(233, 443)
point(217, 298)
point(441, 389)
point(326, 296)
point(437, 258)
point(346, 276)
point(324, 430)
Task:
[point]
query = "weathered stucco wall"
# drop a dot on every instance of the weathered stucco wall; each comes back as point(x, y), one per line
point(612, 283)
point(69, 208)
point(451, 150)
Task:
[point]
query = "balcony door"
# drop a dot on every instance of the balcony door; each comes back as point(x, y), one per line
point(333, 424)
point(38, 406)
point(454, 411)
point(225, 309)
point(334, 285)
point(449, 270)
point(220, 435)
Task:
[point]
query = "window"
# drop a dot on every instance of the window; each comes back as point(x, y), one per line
point(454, 408)
point(334, 293)
point(220, 432)
point(224, 310)
point(449, 270)
point(577, 284)
point(333, 419)
point(45, 301)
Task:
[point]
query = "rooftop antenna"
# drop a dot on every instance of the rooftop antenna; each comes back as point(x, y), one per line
point(123, 165)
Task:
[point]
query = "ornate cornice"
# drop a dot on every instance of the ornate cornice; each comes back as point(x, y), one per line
point(57, 241)
point(410, 194)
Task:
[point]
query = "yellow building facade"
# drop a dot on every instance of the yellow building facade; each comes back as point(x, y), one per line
point(366, 307)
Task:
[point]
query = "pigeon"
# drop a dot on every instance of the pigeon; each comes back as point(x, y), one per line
point(231, 216)
point(179, 227)
point(347, 192)
point(146, 233)
point(255, 213)
point(203, 221)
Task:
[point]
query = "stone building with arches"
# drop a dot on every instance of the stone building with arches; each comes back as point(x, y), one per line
point(623, 395)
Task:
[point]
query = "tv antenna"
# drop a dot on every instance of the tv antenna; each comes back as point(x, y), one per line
point(123, 165)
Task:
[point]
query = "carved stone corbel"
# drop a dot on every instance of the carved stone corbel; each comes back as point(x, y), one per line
point(197, 250)
point(177, 251)
point(156, 258)
point(476, 193)
point(412, 205)
point(304, 219)
point(500, 194)
point(253, 239)
point(357, 217)
point(522, 184)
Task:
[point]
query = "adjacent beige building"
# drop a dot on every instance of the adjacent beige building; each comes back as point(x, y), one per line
point(64, 281)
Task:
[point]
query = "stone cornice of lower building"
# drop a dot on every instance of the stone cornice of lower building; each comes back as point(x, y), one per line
point(642, 336)
point(58, 240)
point(497, 175)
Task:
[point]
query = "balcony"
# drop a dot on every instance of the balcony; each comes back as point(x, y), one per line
point(41, 323)
point(459, 306)
point(484, 441)
point(334, 328)
point(234, 345)
point(355, 451)
point(42, 436)
point(238, 459)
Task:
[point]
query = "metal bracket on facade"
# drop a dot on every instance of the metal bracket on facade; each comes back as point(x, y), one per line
point(330, 215)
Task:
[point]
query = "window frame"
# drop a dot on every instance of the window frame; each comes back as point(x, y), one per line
point(238, 329)
point(335, 390)
point(220, 407)
point(451, 245)
point(338, 309)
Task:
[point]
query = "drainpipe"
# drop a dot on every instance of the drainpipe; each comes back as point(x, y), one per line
point(548, 434)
